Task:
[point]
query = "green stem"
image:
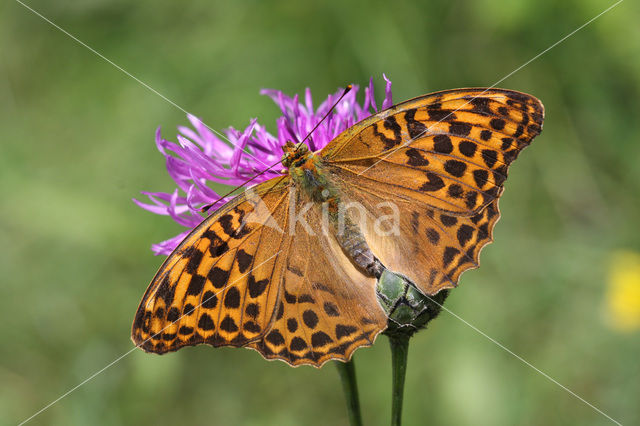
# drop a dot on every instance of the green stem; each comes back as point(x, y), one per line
point(347, 371)
point(399, 352)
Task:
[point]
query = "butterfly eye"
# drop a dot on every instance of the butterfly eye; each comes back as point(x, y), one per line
point(301, 148)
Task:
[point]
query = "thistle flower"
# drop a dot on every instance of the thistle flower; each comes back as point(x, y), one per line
point(200, 156)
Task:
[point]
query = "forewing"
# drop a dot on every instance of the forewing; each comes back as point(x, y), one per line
point(328, 308)
point(220, 286)
point(281, 287)
point(449, 150)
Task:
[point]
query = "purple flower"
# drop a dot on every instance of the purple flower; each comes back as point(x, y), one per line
point(200, 156)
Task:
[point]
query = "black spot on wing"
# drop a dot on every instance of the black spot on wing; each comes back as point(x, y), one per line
point(416, 158)
point(459, 128)
point(480, 105)
point(280, 313)
point(483, 231)
point(416, 129)
point(252, 310)
point(295, 270)
point(218, 248)
point(344, 330)
point(275, 338)
point(194, 257)
point(470, 199)
point(389, 123)
point(196, 284)
point(137, 322)
point(310, 318)
point(490, 157)
point(455, 191)
point(448, 220)
point(322, 287)
point(497, 123)
point(481, 177)
point(442, 144)
point(297, 344)
point(244, 260)
point(232, 298)
point(449, 254)
point(292, 325)
point(500, 174)
point(173, 315)
point(228, 325)
point(165, 291)
point(464, 234)
point(218, 277)
point(290, 298)
point(306, 298)
point(209, 300)
point(467, 148)
point(434, 183)
point(256, 288)
point(320, 338)
point(331, 309)
point(433, 236)
point(519, 131)
point(455, 167)
point(534, 130)
point(436, 113)
point(168, 336)
point(506, 143)
point(205, 322)
point(185, 330)
point(225, 222)
point(251, 327)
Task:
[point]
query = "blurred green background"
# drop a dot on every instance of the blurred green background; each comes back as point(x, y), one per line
point(77, 139)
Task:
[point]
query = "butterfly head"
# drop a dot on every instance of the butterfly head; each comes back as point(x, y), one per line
point(294, 153)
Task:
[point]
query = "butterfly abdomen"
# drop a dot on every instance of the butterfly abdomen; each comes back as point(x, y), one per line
point(356, 248)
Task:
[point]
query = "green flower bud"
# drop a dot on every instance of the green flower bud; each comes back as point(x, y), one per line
point(407, 309)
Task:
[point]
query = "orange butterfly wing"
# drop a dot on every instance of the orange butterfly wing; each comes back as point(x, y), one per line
point(329, 308)
point(442, 160)
point(216, 286)
point(242, 278)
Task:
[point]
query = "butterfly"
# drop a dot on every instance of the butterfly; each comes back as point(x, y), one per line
point(286, 270)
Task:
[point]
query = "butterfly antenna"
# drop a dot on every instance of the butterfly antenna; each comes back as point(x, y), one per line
point(208, 206)
point(344, 93)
